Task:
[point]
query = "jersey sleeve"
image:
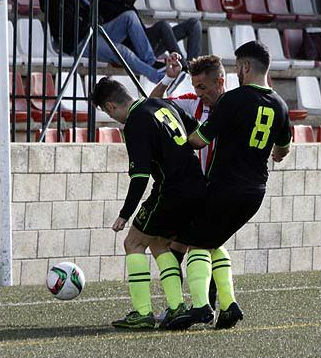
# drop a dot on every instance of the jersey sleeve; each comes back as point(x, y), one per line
point(284, 137)
point(138, 137)
point(218, 120)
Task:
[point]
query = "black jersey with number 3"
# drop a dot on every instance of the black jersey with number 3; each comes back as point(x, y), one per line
point(246, 122)
point(156, 134)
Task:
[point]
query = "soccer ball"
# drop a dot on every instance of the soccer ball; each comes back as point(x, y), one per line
point(65, 280)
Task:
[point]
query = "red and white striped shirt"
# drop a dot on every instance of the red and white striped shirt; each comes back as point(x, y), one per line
point(194, 106)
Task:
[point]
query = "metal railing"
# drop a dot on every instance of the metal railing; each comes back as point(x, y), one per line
point(94, 30)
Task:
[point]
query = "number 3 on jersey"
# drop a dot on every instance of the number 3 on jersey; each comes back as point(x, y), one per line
point(262, 127)
point(165, 115)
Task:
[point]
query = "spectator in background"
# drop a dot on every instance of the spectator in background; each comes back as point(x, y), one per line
point(161, 35)
point(126, 25)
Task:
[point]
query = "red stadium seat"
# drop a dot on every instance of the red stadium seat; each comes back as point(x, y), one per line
point(51, 135)
point(209, 5)
point(36, 90)
point(258, 11)
point(23, 7)
point(20, 103)
point(279, 8)
point(108, 135)
point(317, 133)
point(81, 135)
point(236, 10)
point(297, 114)
point(292, 43)
point(303, 10)
point(303, 134)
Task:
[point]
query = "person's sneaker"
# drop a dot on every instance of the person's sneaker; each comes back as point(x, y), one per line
point(171, 314)
point(178, 80)
point(203, 314)
point(212, 292)
point(228, 319)
point(135, 320)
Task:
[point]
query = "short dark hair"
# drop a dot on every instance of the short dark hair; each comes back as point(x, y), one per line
point(257, 51)
point(109, 90)
point(208, 64)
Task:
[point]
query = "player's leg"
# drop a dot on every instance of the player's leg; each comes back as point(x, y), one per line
point(198, 277)
point(169, 269)
point(230, 312)
point(138, 270)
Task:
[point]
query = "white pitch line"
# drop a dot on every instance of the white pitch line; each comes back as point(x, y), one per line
point(123, 298)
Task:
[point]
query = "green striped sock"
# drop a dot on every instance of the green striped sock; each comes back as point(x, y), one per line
point(222, 273)
point(170, 278)
point(199, 276)
point(139, 282)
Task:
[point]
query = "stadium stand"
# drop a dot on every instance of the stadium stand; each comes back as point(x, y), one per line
point(295, 48)
point(67, 104)
point(37, 42)
point(271, 38)
point(108, 135)
point(186, 9)
point(243, 34)
point(308, 94)
point(279, 8)
point(161, 9)
point(258, 10)
point(10, 44)
point(303, 10)
point(293, 45)
point(303, 134)
point(23, 7)
point(20, 104)
point(80, 135)
point(36, 89)
point(220, 43)
point(212, 9)
point(51, 135)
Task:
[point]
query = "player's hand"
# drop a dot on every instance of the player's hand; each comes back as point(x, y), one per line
point(119, 224)
point(276, 157)
point(173, 65)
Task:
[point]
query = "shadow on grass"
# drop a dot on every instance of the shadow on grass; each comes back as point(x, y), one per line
point(55, 332)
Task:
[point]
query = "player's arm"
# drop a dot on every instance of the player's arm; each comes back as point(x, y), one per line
point(278, 152)
point(138, 143)
point(205, 133)
point(282, 144)
point(173, 69)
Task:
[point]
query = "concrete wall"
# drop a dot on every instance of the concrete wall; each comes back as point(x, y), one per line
point(65, 198)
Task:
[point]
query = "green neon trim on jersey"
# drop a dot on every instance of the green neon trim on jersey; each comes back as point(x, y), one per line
point(139, 175)
point(260, 87)
point(202, 137)
point(134, 105)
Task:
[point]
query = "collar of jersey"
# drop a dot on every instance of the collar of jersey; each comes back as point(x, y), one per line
point(260, 87)
point(134, 105)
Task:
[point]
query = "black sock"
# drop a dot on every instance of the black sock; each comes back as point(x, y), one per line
point(179, 257)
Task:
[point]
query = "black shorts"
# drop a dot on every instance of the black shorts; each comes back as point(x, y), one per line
point(225, 212)
point(165, 216)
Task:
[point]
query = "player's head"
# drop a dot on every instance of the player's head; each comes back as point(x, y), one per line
point(112, 97)
point(208, 77)
point(252, 59)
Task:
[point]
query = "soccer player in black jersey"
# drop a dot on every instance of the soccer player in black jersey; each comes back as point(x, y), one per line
point(247, 123)
point(156, 134)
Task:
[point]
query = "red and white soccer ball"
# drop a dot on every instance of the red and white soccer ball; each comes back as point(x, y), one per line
point(65, 280)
